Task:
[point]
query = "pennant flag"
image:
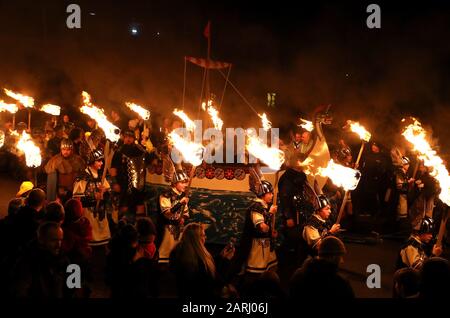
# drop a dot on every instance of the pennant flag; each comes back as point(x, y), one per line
point(207, 31)
point(209, 64)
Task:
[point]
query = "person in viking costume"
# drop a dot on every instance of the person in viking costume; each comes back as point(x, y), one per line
point(94, 195)
point(62, 169)
point(128, 172)
point(317, 227)
point(174, 209)
point(412, 253)
point(257, 240)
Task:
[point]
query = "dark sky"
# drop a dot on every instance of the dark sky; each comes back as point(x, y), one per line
point(309, 53)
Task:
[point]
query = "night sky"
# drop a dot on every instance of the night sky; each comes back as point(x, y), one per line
point(309, 54)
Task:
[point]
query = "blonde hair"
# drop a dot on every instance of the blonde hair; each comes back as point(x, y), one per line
point(193, 251)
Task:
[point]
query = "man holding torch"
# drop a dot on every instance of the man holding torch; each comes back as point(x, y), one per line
point(317, 227)
point(128, 171)
point(174, 210)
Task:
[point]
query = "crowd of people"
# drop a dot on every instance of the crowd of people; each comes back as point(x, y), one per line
point(76, 211)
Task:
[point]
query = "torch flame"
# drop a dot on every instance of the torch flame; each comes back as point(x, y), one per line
point(54, 110)
point(190, 125)
point(273, 157)
point(416, 135)
point(26, 101)
point(142, 112)
point(111, 131)
point(12, 108)
point(306, 124)
point(31, 151)
point(214, 114)
point(192, 152)
point(341, 176)
point(265, 122)
point(360, 130)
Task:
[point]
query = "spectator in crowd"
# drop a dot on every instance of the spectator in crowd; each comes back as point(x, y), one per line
point(54, 212)
point(406, 283)
point(320, 276)
point(197, 273)
point(40, 272)
point(24, 190)
point(435, 279)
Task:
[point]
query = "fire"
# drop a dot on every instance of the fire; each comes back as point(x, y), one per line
point(306, 124)
point(12, 108)
point(192, 152)
point(265, 122)
point(111, 131)
point(416, 135)
point(360, 130)
point(190, 125)
point(341, 176)
point(26, 101)
point(273, 157)
point(31, 151)
point(54, 110)
point(306, 165)
point(145, 114)
point(214, 114)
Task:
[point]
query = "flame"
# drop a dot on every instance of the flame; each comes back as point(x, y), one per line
point(192, 152)
point(306, 124)
point(54, 110)
point(214, 114)
point(306, 165)
point(26, 101)
point(341, 176)
point(12, 108)
point(265, 122)
point(145, 114)
point(111, 131)
point(273, 157)
point(360, 130)
point(190, 125)
point(416, 135)
point(31, 151)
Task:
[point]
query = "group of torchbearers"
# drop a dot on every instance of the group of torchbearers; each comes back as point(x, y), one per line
point(112, 188)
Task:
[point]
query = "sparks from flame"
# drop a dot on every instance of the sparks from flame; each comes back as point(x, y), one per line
point(111, 131)
point(32, 152)
point(360, 130)
point(266, 124)
point(272, 157)
point(306, 124)
point(54, 110)
point(26, 101)
point(142, 112)
point(190, 125)
point(192, 152)
point(416, 135)
point(341, 176)
point(12, 108)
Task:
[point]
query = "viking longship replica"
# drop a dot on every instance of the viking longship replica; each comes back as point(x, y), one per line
point(220, 191)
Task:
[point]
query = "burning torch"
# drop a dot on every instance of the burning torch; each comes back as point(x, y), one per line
point(32, 153)
point(11, 108)
point(344, 177)
point(416, 135)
